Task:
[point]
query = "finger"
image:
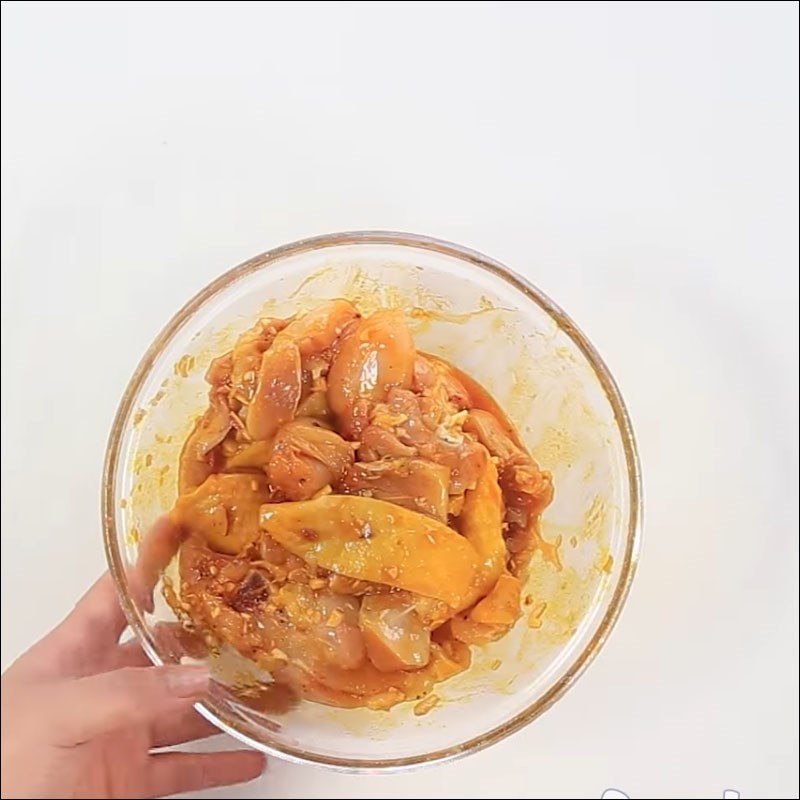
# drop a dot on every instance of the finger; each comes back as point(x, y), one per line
point(128, 654)
point(174, 639)
point(97, 617)
point(185, 726)
point(156, 550)
point(89, 707)
point(171, 773)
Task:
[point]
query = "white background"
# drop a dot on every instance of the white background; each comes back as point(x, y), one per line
point(637, 162)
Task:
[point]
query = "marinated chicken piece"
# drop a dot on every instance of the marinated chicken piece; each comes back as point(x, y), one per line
point(271, 625)
point(376, 541)
point(399, 425)
point(305, 458)
point(316, 331)
point(369, 687)
point(437, 380)
point(378, 443)
point(246, 358)
point(278, 390)
point(393, 633)
point(501, 605)
point(198, 459)
point(494, 437)
point(309, 640)
point(372, 356)
point(315, 406)
point(481, 524)
point(432, 612)
point(526, 489)
point(250, 456)
point(223, 510)
point(409, 482)
point(332, 621)
point(466, 630)
point(280, 376)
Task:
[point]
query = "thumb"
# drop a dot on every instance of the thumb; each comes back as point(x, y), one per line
point(89, 707)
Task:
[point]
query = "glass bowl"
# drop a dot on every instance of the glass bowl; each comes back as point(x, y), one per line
point(552, 383)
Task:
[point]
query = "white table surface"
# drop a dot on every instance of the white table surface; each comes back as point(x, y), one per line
point(637, 162)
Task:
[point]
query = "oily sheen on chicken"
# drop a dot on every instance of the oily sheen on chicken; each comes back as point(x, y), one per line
point(356, 514)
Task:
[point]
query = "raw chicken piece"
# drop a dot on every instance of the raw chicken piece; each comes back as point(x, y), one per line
point(372, 356)
point(527, 490)
point(409, 482)
point(437, 380)
point(393, 633)
point(198, 459)
point(400, 426)
point(501, 604)
point(280, 376)
point(305, 458)
point(481, 524)
point(224, 511)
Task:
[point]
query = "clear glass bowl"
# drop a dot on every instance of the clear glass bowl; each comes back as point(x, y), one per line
point(546, 375)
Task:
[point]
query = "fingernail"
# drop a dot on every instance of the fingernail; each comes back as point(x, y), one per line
point(188, 681)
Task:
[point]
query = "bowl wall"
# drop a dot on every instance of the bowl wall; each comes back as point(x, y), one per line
point(538, 366)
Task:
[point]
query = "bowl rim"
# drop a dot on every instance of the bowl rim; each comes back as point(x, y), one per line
point(228, 722)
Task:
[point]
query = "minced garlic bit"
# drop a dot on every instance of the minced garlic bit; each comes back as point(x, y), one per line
point(448, 435)
point(278, 654)
point(237, 421)
point(334, 619)
point(457, 419)
point(388, 419)
point(535, 617)
point(426, 704)
point(183, 366)
point(496, 663)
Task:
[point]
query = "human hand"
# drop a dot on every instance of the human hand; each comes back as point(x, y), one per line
point(81, 714)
